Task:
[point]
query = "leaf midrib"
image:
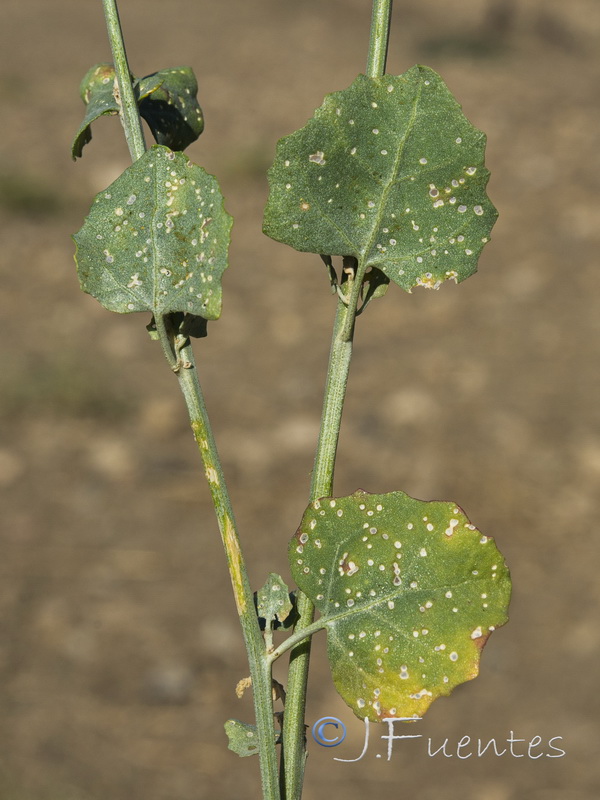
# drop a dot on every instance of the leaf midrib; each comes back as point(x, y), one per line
point(394, 175)
point(398, 594)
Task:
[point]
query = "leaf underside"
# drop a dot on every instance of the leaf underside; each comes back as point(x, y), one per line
point(410, 592)
point(157, 239)
point(388, 171)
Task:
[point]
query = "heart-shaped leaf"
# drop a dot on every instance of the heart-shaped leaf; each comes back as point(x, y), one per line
point(157, 239)
point(409, 592)
point(388, 171)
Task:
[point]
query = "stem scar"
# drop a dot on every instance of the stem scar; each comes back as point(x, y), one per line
point(235, 559)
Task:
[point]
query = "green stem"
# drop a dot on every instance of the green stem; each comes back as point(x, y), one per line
point(294, 748)
point(296, 638)
point(260, 665)
point(380, 34)
point(130, 115)
point(335, 392)
point(182, 362)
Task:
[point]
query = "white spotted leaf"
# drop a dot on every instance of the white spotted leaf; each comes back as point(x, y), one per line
point(168, 104)
point(273, 602)
point(96, 91)
point(166, 99)
point(390, 172)
point(243, 738)
point(409, 592)
point(157, 239)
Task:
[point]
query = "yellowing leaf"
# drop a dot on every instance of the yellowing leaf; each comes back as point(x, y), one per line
point(410, 592)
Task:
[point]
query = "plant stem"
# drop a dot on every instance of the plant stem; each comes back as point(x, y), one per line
point(335, 392)
point(380, 34)
point(294, 748)
point(130, 115)
point(260, 665)
point(296, 638)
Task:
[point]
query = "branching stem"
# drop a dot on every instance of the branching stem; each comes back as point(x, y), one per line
point(181, 359)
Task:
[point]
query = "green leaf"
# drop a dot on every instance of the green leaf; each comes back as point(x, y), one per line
point(166, 99)
point(96, 91)
point(157, 239)
point(388, 171)
point(273, 601)
point(243, 738)
point(168, 104)
point(376, 284)
point(409, 591)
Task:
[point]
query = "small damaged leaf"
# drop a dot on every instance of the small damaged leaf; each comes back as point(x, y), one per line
point(157, 240)
point(171, 108)
point(166, 100)
point(273, 602)
point(185, 325)
point(409, 590)
point(375, 285)
point(243, 738)
point(96, 91)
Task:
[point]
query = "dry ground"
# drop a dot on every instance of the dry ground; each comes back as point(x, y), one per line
point(119, 648)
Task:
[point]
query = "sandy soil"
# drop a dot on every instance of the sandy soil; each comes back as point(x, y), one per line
point(119, 647)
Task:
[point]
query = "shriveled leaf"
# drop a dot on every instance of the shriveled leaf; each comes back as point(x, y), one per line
point(410, 592)
point(388, 171)
point(169, 105)
point(157, 239)
point(376, 284)
point(243, 738)
point(273, 602)
point(167, 101)
point(96, 91)
point(182, 325)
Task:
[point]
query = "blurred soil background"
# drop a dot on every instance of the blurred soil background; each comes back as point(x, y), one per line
point(119, 645)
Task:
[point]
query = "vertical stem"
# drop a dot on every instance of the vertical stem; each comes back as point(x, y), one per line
point(380, 34)
point(130, 115)
point(260, 666)
point(335, 392)
point(294, 748)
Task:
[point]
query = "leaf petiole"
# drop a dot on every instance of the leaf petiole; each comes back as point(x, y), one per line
point(296, 638)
